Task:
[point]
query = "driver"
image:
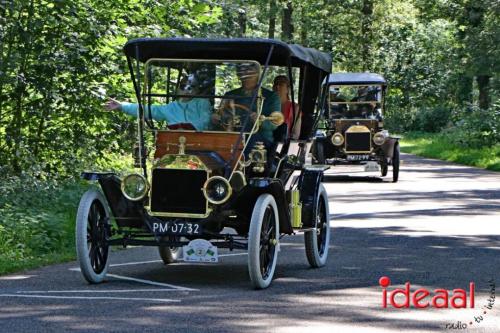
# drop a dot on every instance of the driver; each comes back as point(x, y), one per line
point(364, 95)
point(184, 111)
point(249, 77)
point(338, 108)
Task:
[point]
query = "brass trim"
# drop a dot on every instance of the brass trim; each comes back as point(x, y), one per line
point(383, 135)
point(341, 142)
point(226, 198)
point(357, 129)
point(186, 215)
point(172, 214)
point(122, 187)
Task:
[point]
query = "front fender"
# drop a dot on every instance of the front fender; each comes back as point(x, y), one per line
point(127, 213)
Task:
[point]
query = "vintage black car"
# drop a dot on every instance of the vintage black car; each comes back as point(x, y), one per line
point(352, 126)
point(211, 182)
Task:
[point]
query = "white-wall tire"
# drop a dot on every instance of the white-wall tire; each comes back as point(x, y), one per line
point(317, 242)
point(92, 228)
point(262, 249)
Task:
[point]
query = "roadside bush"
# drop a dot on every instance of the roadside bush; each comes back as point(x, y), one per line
point(399, 120)
point(432, 119)
point(36, 219)
point(475, 128)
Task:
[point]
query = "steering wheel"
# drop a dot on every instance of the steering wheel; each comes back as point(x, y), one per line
point(229, 118)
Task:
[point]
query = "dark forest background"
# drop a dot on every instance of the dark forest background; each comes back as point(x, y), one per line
point(441, 58)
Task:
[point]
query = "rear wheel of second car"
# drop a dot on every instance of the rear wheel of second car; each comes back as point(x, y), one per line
point(395, 163)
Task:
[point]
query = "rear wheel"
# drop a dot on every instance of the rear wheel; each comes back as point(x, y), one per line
point(92, 232)
point(169, 254)
point(263, 240)
point(395, 163)
point(317, 241)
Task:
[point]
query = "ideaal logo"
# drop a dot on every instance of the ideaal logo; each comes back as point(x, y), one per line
point(439, 298)
point(423, 298)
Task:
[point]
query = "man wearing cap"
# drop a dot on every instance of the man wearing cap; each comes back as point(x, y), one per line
point(249, 77)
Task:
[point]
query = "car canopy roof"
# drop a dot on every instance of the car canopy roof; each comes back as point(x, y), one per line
point(143, 49)
point(355, 78)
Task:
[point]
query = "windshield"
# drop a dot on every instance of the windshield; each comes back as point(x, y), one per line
point(202, 95)
point(355, 101)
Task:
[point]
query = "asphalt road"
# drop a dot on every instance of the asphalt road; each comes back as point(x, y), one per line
point(439, 227)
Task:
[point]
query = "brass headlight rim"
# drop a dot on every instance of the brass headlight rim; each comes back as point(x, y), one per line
point(337, 134)
point(226, 198)
point(379, 134)
point(122, 187)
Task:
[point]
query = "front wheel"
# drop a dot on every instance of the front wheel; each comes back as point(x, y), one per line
point(317, 241)
point(263, 238)
point(320, 152)
point(395, 163)
point(92, 232)
point(383, 169)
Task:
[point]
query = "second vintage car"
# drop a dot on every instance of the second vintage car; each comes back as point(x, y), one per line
point(352, 127)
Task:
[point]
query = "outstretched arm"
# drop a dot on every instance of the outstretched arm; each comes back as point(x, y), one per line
point(158, 112)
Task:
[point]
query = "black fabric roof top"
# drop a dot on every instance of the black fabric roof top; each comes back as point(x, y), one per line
point(356, 78)
point(227, 49)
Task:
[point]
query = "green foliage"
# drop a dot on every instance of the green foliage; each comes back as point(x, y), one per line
point(445, 147)
point(431, 119)
point(475, 128)
point(37, 220)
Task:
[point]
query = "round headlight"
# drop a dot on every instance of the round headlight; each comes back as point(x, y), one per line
point(217, 190)
point(337, 139)
point(379, 138)
point(134, 187)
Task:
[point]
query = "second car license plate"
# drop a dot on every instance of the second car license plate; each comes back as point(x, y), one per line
point(177, 228)
point(358, 157)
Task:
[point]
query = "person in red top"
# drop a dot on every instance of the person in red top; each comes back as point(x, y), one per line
point(281, 86)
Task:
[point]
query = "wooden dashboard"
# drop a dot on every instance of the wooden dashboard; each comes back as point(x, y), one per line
point(167, 142)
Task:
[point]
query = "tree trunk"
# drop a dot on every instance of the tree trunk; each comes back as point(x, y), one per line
point(286, 23)
point(227, 19)
point(366, 33)
point(483, 82)
point(327, 32)
point(272, 18)
point(20, 90)
point(242, 22)
point(464, 90)
point(304, 25)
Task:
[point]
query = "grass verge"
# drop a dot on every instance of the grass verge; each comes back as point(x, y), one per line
point(37, 217)
point(437, 145)
point(37, 222)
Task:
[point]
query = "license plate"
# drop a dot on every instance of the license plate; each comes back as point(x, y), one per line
point(200, 250)
point(177, 228)
point(358, 157)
